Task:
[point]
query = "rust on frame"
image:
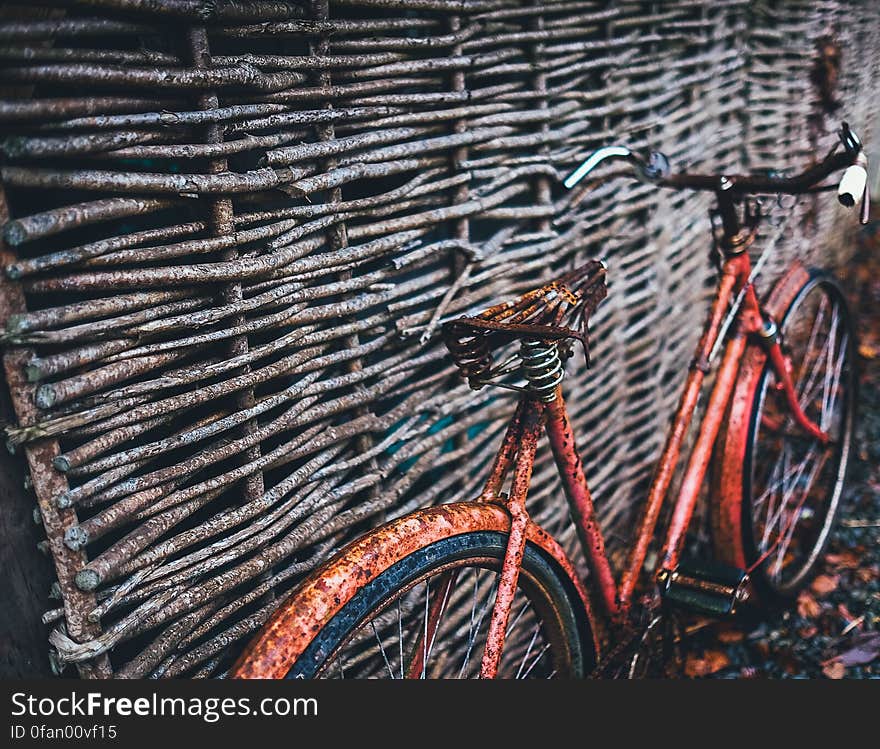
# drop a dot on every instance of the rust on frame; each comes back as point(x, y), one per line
point(516, 541)
point(702, 452)
point(734, 273)
point(574, 482)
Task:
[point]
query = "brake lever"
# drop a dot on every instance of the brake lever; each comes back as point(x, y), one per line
point(851, 142)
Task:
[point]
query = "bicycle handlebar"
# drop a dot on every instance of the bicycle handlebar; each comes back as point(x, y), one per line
point(854, 183)
point(655, 168)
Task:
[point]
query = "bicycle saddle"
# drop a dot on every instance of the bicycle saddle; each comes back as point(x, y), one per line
point(556, 312)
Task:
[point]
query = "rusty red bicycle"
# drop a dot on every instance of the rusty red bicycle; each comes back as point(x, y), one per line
point(478, 589)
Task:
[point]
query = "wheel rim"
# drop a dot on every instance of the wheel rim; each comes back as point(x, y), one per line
point(795, 481)
point(405, 630)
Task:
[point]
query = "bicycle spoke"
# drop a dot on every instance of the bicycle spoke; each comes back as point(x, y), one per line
point(771, 506)
point(512, 625)
point(774, 484)
point(437, 624)
point(400, 637)
point(425, 633)
point(536, 661)
point(489, 599)
point(528, 652)
point(817, 324)
point(788, 485)
point(835, 386)
point(826, 379)
point(382, 648)
point(788, 533)
point(814, 381)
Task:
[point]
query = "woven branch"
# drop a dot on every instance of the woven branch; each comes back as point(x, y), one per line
point(238, 236)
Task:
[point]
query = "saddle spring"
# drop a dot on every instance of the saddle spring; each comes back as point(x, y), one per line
point(472, 356)
point(542, 367)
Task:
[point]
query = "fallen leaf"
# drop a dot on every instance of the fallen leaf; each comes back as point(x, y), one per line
point(807, 606)
point(824, 584)
point(866, 574)
point(834, 670)
point(729, 635)
point(709, 663)
point(845, 560)
point(807, 632)
point(845, 613)
point(865, 647)
point(868, 351)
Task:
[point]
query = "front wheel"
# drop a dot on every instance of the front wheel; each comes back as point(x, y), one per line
point(424, 611)
point(779, 489)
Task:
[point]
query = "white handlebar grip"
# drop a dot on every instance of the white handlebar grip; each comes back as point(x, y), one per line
point(852, 185)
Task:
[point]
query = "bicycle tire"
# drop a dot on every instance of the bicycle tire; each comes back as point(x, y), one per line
point(349, 610)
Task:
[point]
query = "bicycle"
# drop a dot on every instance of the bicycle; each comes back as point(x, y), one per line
point(477, 588)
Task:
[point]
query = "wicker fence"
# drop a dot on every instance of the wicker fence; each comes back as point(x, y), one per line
point(233, 227)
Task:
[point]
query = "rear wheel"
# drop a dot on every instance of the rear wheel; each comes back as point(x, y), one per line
point(388, 624)
point(414, 598)
point(791, 483)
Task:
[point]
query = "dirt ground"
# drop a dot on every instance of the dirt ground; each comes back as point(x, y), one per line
point(833, 631)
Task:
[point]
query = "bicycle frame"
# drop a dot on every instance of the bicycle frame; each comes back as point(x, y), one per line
point(517, 453)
